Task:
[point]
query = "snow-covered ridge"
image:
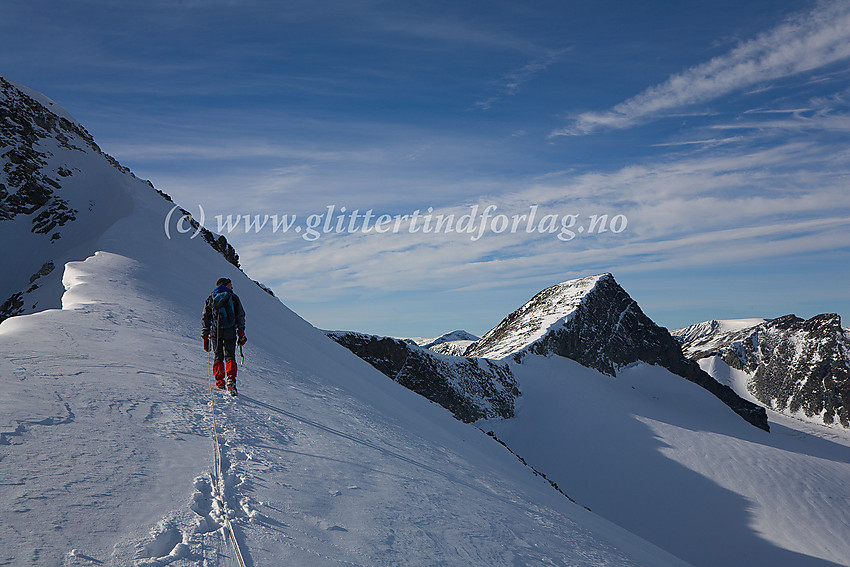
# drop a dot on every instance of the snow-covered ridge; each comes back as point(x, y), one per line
point(59, 192)
point(713, 328)
point(42, 99)
point(452, 348)
point(797, 367)
point(547, 311)
point(471, 388)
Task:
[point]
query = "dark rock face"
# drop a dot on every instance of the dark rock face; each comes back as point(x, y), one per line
point(796, 365)
point(470, 388)
point(15, 304)
point(29, 187)
point(607, 330)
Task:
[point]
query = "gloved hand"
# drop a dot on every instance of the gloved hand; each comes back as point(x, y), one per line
point(242, 338)
point(206, 343)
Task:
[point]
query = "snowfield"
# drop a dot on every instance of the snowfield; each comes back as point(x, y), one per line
point(714, 327)
point(663, 458)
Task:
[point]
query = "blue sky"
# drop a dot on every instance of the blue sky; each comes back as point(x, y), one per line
point(716, 132)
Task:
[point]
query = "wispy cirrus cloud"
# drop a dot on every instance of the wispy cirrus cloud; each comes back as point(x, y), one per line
point(703, 142)
point(802, 43)
point(696, 211)
point(509, 84)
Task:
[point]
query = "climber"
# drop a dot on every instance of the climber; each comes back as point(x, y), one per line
point(223, 329)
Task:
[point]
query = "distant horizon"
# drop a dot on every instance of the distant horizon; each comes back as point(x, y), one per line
point(428, 168)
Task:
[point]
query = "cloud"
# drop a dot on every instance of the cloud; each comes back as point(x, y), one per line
point(706, 142)
point(510, 83)
point(718, 210)
point(446, 31)
point(237, 150)
point(803, 43)
point(826, 123)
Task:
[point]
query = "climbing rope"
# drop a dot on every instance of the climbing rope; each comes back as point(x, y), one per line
point(219, 476)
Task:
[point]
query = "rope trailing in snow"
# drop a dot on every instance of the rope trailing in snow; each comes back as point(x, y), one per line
point(220, 477)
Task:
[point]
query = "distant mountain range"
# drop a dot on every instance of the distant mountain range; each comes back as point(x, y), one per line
point(590, 320)
point(793, 366)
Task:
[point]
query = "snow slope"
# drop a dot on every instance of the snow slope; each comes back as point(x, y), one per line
point(106, 454)
point(660, 457)
point(736, 379)
point(52, 168)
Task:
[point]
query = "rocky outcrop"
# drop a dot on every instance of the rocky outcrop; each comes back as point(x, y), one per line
point(29, 186)
point(217, 241)
point(470, 388)
point(596, 323)
point(14, 305)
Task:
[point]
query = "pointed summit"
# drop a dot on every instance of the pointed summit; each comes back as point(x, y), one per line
point(549, 311)
point(595, 322)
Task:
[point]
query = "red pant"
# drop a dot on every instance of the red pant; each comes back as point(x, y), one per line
point(224, 356)
point(219, 370)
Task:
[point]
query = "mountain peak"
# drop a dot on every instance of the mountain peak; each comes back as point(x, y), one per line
point(595, 322)
point(453, 343)
point(452, 336)
point(547, 311)
point(42, 99)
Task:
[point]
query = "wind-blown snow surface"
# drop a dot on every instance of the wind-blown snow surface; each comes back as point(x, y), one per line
point(663, 458)
point(106, 455)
